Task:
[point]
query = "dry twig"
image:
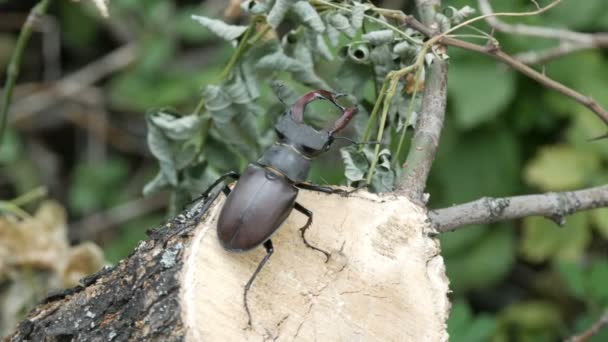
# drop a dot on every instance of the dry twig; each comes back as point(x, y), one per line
point(494, 51)
point(553, 205)
point(593, 330)
point(72, 84)
point(570, 41)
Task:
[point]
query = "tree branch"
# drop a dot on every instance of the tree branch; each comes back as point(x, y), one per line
point(553, 205)
point(495, 52)
point(593, 330)
point(570, 41)
point(430, 122)
point(538, 31)
point(543, 56)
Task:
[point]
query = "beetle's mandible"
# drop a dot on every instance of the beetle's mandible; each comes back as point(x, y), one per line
point(266, 192)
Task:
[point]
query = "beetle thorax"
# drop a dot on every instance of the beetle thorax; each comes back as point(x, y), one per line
point(286, 159)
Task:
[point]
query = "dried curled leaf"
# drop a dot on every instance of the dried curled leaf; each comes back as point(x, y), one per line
point(357, 15)
point(278, 11)
point(379, 37)
point(176, 127)
point(278, 61)
point(458, 15)
point(341, 23)
point(309, 15)
point(220, 28)
point(36, 258)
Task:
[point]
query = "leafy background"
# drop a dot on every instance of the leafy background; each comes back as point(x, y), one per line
point(504, 135)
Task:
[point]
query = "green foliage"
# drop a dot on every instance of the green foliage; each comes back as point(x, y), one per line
point(463, 325)
point(529, 321)
point(90, 184)
point(479, 260)
point(543, 239)
point(480, 90)
point(561, 167)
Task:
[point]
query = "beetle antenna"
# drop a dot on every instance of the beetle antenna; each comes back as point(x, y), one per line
point(279, 87)
point(354, 142)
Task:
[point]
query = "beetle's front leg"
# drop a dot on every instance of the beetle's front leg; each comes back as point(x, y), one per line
point(303, 230)
point(325, 189)
point(230, 174)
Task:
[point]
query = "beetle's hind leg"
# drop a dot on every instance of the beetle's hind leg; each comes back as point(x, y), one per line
point(303, 230)
point(269, 250)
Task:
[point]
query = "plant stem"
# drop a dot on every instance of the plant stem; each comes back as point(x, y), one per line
point(387, 100)
point(12, 71)
point(419, 65)
point(372, 116)
point(30, 196)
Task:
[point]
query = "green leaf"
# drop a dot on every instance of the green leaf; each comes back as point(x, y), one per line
point(600, 220)
point(357, 15)
point(574, 276)
point(476, 164)
point(383, 179)
point(479, 91)
point(278, 11)
point(462, 326)
point(178, 128)
point(341, 23)
point(157, 183)
point(90, 184)
point(278, 61)
point(309, 15)
point(584, 126)
point(220, 28)
point(530, 321)
point(484, 263)
point(10, 147)
point(460, 240)
point(561, 167)
point(596, 283)
point(355, 163)
point(543, 239)
point(379, 37)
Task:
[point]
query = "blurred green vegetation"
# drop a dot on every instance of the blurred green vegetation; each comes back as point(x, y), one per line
point(527, 280)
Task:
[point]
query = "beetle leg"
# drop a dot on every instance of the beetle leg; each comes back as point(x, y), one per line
point(303, 230)
point(230, 174)
point(269, 250)
point(325, 189)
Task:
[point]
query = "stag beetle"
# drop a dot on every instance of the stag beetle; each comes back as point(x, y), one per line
point(266, 192)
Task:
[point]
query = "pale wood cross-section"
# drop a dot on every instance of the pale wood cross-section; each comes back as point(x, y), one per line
point(385, 280)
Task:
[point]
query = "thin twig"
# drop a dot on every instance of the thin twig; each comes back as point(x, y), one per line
point(570, 41)
point(593, 330)
point(12, 72)
point(89, 227)
point(537, 31)
point(430, 120)
point(543, 56)
point(495, 52)
point(554, 205)
point(74, 83)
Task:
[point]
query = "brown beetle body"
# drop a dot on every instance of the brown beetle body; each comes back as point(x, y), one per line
point(256, 207)
point(266, 192)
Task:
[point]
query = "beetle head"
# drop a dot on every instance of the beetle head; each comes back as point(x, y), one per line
point(293, 131)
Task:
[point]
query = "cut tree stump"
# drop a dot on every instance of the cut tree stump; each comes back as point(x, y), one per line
point(385, 281)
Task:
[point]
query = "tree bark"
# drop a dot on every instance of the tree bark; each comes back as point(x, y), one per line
point(385, 281)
